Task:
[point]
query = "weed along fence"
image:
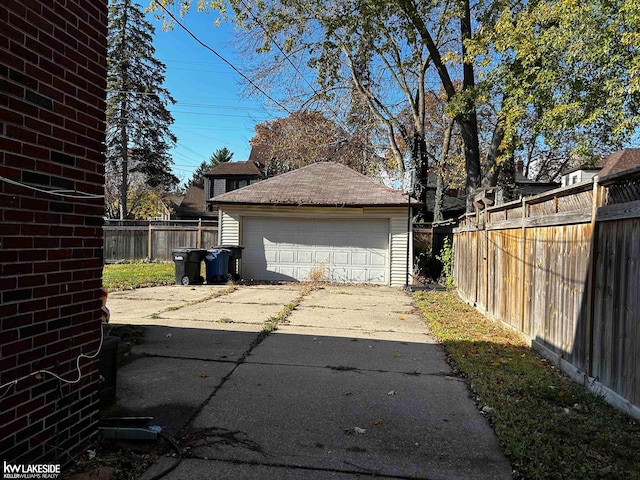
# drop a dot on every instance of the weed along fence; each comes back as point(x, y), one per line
point(563, 268)
point(137, 240)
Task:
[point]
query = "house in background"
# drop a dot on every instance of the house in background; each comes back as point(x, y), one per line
point(524, 187)
point(582, 173)
point(578, 175)
point(226, 177)
point(194, 205)
point(621, 161)
point(230, 176)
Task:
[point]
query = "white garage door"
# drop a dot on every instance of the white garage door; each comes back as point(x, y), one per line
point(352, 251)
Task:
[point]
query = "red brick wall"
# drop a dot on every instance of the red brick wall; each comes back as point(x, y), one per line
point(52, 82)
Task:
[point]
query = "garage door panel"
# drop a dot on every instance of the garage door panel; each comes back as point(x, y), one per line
point(271, 256)
point(323, 257)
point(359, 258)
point(305, 257)
point(341, 258)
point(291, 249)
point(303, 273)
point(359, 275)
point(287, 256)
point(378, 260)
point(376, 276)
point(288, 271)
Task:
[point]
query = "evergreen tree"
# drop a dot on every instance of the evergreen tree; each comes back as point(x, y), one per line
point(138, 121)
point(507, 180)
point(222, 155)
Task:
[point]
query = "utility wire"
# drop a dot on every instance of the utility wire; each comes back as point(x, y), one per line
point(251, 82)
point(287, 58)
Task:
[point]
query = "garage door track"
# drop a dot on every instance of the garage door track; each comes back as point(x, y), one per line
point(350, 385)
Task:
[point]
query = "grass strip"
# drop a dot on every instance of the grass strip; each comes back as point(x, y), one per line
point(128, 276)
point(271, 324)
point(549, 426)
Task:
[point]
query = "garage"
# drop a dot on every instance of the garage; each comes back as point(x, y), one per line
point(349, 251)
point(320, 220)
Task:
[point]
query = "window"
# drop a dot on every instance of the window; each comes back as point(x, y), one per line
point(234, 184)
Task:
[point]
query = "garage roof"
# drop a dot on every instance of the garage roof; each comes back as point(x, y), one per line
point(318, 184)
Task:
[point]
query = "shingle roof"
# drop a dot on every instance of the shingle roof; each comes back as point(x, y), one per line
point(234, 168)
point(318, 184)
point(193, 203)
point(622, 160)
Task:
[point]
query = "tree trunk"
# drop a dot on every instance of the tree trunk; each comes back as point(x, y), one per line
point(420, 162)
point(124, 181)
point(468, 120)
point(124, 140)
point(446, 142)
point(491, 168)
point(469, 129)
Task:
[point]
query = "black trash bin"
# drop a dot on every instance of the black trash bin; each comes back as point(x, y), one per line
point(216, 263)
point(188, 262)
point(235, 254)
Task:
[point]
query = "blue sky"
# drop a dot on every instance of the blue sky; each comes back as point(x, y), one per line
point(211, 111)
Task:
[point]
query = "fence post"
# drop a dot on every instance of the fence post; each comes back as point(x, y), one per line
point(487, 218)
point(596, 201)
point(523, 263)
point(150, 243)
point(199, 237)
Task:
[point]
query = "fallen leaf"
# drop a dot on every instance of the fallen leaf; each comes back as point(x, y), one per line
point(378, 421)
point(203, 375)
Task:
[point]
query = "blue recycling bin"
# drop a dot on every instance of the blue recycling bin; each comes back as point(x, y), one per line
point(216, 263)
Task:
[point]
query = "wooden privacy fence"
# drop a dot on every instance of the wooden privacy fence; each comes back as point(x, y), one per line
point(563, 268)
point(137, 240)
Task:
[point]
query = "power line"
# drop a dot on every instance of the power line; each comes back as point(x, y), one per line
point(213, 114)
point(223, 59)
point(286, 56)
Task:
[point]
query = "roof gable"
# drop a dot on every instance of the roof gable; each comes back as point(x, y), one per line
point(193, 201)
point(318, 184)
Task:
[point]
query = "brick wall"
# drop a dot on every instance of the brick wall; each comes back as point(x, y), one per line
point(52, 82)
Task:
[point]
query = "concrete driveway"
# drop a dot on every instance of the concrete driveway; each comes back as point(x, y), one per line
point(350, 385)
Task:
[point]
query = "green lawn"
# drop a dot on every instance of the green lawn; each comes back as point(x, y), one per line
point(549, 426)
point(127, 276)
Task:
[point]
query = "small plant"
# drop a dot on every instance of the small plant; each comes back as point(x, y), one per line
point(317, 273)
point(447, 258)
point(224, 320)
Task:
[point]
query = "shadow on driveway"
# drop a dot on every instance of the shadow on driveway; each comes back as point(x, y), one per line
point(365, 394)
